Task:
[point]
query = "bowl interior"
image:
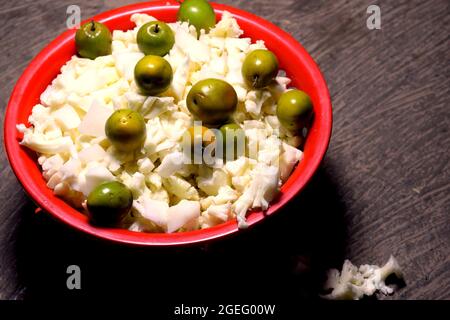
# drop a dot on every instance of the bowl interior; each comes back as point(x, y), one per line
point(293, 58)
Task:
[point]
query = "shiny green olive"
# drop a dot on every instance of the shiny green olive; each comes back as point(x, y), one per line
point(93, 40)
point(232, 149)
point(201, 134)
point(126, 129)
point(198, 13)
point(156, 38)
point(294, 110)
point(109, 203)
point(153, 75)
point(212, 101)
point(199, 137)
point(259, 68)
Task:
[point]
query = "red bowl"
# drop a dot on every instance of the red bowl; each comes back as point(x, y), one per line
point(293, 58)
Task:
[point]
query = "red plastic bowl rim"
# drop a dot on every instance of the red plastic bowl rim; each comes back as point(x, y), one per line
point(160, 239)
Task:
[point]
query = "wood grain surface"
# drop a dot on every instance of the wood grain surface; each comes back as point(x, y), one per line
point(383, 188)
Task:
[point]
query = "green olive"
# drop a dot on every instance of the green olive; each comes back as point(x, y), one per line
point(155, 38)
point(198, 13)
point(232, 149)
point(199, 138)
point(109, 203)
point(126, 129)
point(153, 75)
point(93, 40)
point(294, 110)
point(259, 68)
point(201, 134)
point(212, 101)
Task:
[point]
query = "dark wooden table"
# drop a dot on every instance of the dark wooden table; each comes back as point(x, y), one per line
point(383, 187)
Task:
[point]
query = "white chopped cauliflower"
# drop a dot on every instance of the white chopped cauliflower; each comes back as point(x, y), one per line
point(182, 214)
point(93, 123)
point(152, 210)
point(67, 130)
point(352, 283)
point(263, 188)
point(93, 177)
point(289, 157)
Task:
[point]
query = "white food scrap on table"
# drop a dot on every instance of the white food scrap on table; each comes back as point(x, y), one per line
point(352, 283)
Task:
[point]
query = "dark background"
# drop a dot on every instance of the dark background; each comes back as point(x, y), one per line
point(383, 187)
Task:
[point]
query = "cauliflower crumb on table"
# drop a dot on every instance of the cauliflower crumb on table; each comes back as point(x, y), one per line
point(352, 283)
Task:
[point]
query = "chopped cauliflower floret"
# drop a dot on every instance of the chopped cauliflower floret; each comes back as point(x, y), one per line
point(159, 194)
point(215, 214)
point(155, 135)
point(352, 283)
point(269, 151)
point(155, 106)
point(93, 123)
point(288, 159)
point(239, 166)
point(255, 100)
point(53, 163)
point(153, 210)
point(40, 143)
point(212, 181)
point(125, 63)
point(67, 117)
point(221, 212)
point(95, 176)
point(171, 164)
point(240, 183)
point(187, 42)
point(226, 27)
point(262, 189)
point(92, 153)
point(181, 214)
point(145, 165)
point(70, 170)
point(135, 182)
point(139, 19)
point(180, 188)
point(225, 195)
point(180, 78)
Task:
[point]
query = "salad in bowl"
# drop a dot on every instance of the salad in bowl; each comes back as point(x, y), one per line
point(170, 126)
